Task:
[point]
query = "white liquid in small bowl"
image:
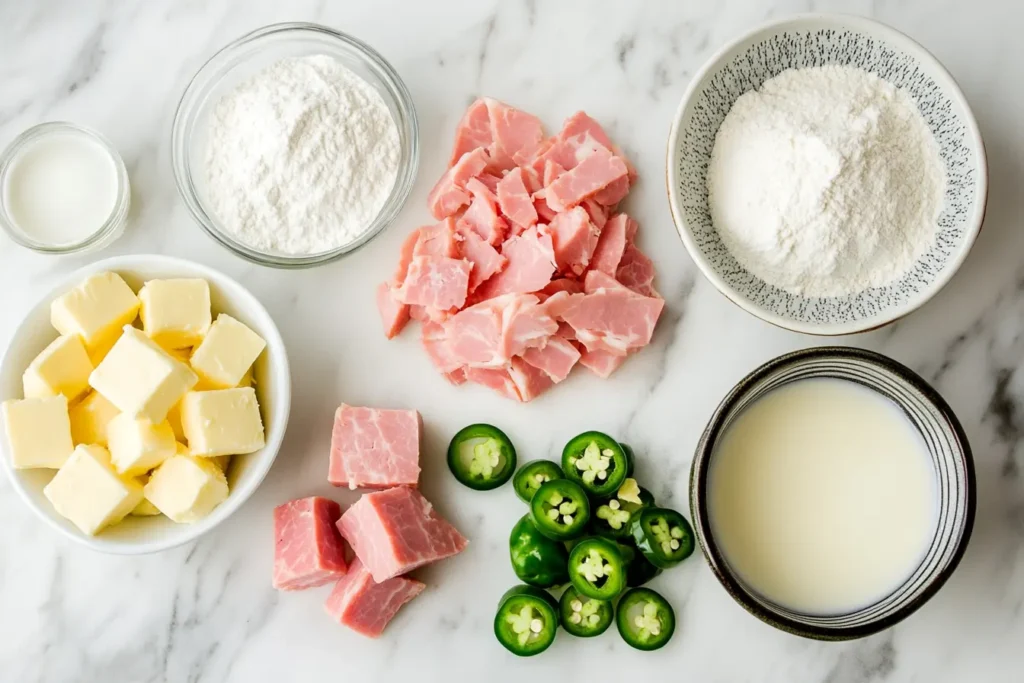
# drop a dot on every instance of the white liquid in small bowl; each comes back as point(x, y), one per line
point(822, 496)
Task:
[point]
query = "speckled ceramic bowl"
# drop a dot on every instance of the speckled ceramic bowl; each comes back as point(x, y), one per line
point(816, 40)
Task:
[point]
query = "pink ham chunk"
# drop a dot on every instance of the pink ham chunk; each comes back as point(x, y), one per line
point(515, 200)
point(435, 341)
point(374, 448)
point(393, 313)
point(497, 379)
point(556, 358)
point(598, 214)
point(366, 606)
point(614, 193)
point(601, 363)
point(473, 131)
point(552, 171)
point(614, 320)
point(531, 263)
point(530, 381)
point(482, 215)
point(450, 194)
point(636, 271)
point(579, 126)
point(485, 259)
point(596, 172)
point(395, 531)
point(525, 325)
point(405, 257)
point(515, 133)
point(562, 284)
point(436, 240)
point(436, 282)
point(488, 334)
point(574, 239)
point(611, 245)
point(308, 551)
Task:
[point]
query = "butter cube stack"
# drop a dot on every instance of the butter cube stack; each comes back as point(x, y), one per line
point(89, 419)
point(138, 445)
point(227, 353)
point(186, 488)
point(95, 310)
point(176, 313)
point(38, 431)
point(88, 492)
point(63, 367)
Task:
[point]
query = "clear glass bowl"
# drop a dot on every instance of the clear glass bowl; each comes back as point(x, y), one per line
point(107, 232)
point(245, 57)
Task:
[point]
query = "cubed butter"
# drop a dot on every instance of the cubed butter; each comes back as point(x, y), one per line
point(89, 419)
point(88, 492)
point(176, 313)
point(137, 445)
point(100, 351)
point(95, 310)
point(222, 462)
point(140, 378)
point(186, 488)
point(228, 351)
point(63, 367)
point(174, 419)
point(144, 508)
point(38, 431)
point(222, 422)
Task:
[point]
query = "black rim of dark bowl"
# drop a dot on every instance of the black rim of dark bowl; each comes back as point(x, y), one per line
point(699, 477)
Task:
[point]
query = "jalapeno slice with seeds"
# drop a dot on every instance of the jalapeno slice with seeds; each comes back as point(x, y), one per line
point(560, 510)
point(526, 621)
point(597, 568)
point(532, 475)
point(663, 536)
point(645, 619)
point(597, 462)
point(638, 570)
point(612, 517)
point(584, 617)
point(481, 457)
point(536, 559)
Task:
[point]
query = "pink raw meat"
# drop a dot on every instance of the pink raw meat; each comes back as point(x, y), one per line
point(597, 280)
point(475, 334)
point(482, 215)
point(552, 170)
point(485, 259)
point(449, 194)
point(395, 531)
point(515, 200)
point(574, 239)
point(530, 382)
point(611, 245)
point(565, 331)
point(531, 262)
point(562, 284)
point(435, 341)
point(544, 212)
point(591, 175)
point(614, 320)
point(613, 193)
point(531, 179)
point(366, 606)
point(497, 379)
point(579, 125)
point(601, 363)
point(436, 240)
point(393, 313)
point(489, 180)
point(598, 214)
point(374, 448)
point(636, 271)
point(436, 282)
point(556, 358)
point(525, 324)
point(473, 131)
point(405, 257)
point(559, 303)
point(308, 551)
point(515, 133)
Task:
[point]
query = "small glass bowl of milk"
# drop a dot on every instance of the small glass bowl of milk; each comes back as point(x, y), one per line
point(833, 492)
point(63, 189)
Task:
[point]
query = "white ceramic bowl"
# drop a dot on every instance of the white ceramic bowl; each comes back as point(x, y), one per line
point(816, 40)
point(140, 535)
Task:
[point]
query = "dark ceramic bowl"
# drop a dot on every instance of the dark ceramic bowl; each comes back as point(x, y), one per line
point(945, 441)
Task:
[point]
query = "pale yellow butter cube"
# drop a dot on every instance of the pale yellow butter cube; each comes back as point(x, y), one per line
point(138, 445)
point(144, 508)
point(140, 378)
point(89, 419)
point(174, 419)
point(88, 492)
point(186, 488)
point(63, 367)
point(222, 422)
point(95, 310)
point(222, 462)
point(38, 431)
point(176, 313)
point(228, 351)
point(100, 351)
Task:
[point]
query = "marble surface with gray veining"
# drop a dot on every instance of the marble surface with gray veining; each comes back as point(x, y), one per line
point(206, 612)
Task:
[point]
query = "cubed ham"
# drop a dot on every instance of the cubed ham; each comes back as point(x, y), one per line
point(614, 193)
point(497, 379)
point(611, 245)
point(574, 239)
point(308, 551)
point(580, 126)
point(597, 280)
point(436, 282)
point(525, 324)
point(488, 180)
point(405, 257)
point(559, 303)
point(531, 179)
point(374, 448)
point(530, 382)
point(591, 175)
point(552, 171)
point(598, 214)
point(601, 363)
point(515, 133)
point(393, 313)
point(562, 284)
point(482, 216)
point(435, 341)
point(450, 194)
point(566, 332)
point(556, 358)
point(531, 263)
point(485, 259)
point(515, 200)
point(436, 240)
point(488, 334)
point(365, 606)
point(473, 131)
point(614, 320)
point(636, 271)
point(544, 212)
point(395, 531)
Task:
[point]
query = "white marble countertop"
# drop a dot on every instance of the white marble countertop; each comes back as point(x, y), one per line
point(206, 612)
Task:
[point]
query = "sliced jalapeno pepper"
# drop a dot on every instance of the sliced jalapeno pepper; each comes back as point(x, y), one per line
point(526, 621)
point(531, 475)
point(645, 619)
point(560, 510)
point(612, 517)
point(582, 616)
point(536, 559)
point(638, 570)
point(663, 536)
point(597, 462)
point(597, 568)
point(481, 457)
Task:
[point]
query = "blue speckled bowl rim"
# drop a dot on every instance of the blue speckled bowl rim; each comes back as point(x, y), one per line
point(699, 480)
point(856, 23)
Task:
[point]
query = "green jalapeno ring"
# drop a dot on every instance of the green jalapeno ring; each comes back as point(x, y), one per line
point(584, 617)
point(612, 517)
point(645, 619)
point(597, 568)
point(663, 536)
point(526, 621)
point(560, 509)
point(597, 462)
point(536, 559)
point(638, 570)
point(532, 476)
point(481, 457)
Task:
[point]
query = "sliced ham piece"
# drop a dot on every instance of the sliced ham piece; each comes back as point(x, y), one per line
point(405, 257)
point(574, 239)
point(435, 341)
point(591, 175)
point(598, 214)
point(436, 282)
point(374, 448)
point(365, 606)
point(395, 531)
point(556, 358)
point(497, 379)
point(562, 284)
point(436, 240)
point(485, 259)
point(450, 194)
point(473, 131)
point(394, 314)
point(580, 125)
point(488, 180)
point(515, 200)
point(531, 262)
point(614, 320)
point(482, 215)
point(488, 334)
point(544, 212)
point(611, 246)
point(515, 133)
point(530, 381)
point(552, 171)
point(308, 551)
point(614, 193)
point(525, 324)
point(601, 363)
point(636, 271)
point(559, 303)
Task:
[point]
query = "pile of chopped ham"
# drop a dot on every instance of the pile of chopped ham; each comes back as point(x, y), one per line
point(530, 269)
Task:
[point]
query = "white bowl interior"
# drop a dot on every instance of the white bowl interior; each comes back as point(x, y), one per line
point(817, 41)
point(138, 535)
